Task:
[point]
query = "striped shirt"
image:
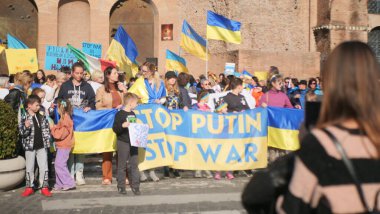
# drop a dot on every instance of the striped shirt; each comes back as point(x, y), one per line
point(321, 182)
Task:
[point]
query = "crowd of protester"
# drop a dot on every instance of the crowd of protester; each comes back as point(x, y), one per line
point(34, 96)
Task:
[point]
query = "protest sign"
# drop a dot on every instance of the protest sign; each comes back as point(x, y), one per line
point(57, 57)
point(138, 134)
point(92, 49)
point(229, 69)
point(21, 59)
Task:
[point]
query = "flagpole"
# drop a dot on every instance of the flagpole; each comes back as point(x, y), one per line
point(206, 58)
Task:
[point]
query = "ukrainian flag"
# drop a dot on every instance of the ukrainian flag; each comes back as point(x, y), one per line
point(246, 74)
point(283, 128)
point(192, 42)
point(139, 88)
point(175, 62)
point(15, 43)
point(93, 131)
point(123, 51)
point(221, 28)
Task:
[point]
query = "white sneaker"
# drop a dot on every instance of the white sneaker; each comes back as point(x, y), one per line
point(198, 174)
point(79, 178)
point(143, 176)
point(153, 176)
point(208, 174)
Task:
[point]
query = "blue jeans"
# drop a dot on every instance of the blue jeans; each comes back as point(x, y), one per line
point(76, 163)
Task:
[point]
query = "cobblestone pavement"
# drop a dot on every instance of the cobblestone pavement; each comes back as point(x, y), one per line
point(186, 195)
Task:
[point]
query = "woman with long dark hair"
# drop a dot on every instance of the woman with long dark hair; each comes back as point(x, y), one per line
point(40, 77)
point(349, 117)
point(109, 96)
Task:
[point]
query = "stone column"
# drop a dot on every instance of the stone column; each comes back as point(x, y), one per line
point(47, 27)
point(100, 23)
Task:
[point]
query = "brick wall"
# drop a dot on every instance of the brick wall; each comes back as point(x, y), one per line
point(74, 23)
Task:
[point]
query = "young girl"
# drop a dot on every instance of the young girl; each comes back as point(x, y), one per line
point(222, 109)
point(202, 106)
point(64, 140)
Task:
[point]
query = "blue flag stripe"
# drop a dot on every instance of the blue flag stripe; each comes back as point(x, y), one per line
point(93, 120)
point(172, 56)
point(217, 20)
point(191, 33)
point(284, 118)
point(128, 44)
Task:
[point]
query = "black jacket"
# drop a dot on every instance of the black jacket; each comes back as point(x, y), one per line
point(184, 98)
point(15, 98)
point(86, 98)
point(121, 132)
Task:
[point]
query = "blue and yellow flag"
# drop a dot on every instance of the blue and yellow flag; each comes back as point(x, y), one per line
point(123, 51)
point(175, 62)
point(139, 88)
point(192, 42)
point(246, 74)
point(283, 128)
point(15, 43)
point(93, 131)
point(221, 28)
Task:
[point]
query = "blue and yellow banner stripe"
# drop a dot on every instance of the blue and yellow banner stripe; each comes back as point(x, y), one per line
point(93, 131)
point(283, 128)
point(194, 139)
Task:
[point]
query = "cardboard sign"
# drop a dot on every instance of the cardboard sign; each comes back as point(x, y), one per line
point(229, 69)
point(92, 49)
point(138, 134)
point(21, 59)
point(57, 57)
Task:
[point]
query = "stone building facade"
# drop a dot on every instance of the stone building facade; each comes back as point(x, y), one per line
point(294, 35)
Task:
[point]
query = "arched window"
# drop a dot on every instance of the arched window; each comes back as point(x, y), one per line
point(374, 41)
point(374, 6)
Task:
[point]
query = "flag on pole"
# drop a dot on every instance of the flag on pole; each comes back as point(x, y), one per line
point(91, 63)
point(221, 28)
point(175, 62)
point(15, 43)
point(123, 51)
point(192, 42)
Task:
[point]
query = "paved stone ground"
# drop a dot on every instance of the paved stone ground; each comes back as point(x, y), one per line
point(186, 195)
